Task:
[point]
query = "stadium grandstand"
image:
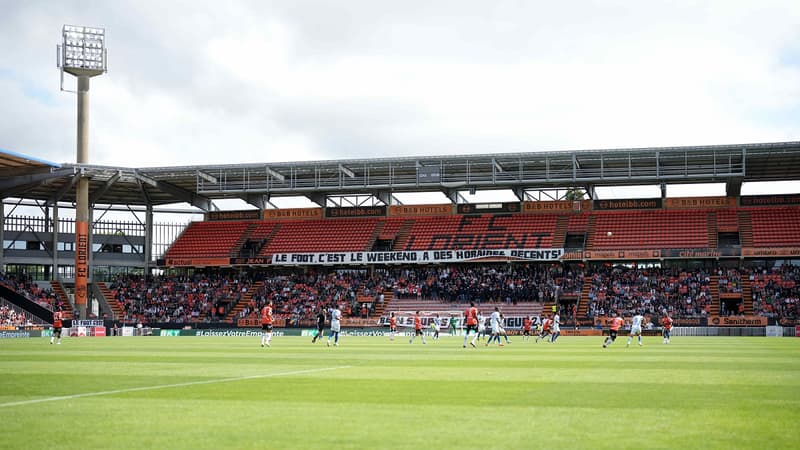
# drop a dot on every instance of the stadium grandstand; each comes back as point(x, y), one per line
point(712, 261)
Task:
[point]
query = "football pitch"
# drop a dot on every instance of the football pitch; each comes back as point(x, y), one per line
point(228, 392)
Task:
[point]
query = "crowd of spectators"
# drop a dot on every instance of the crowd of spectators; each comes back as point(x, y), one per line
point(11, 316)
point(178, 299)
point(776, 292)
point(686, 293)
point(209, 297)
point(625, 291)
point(296, 297)
point(730, 281)
point(487, 283)
point(24, 285)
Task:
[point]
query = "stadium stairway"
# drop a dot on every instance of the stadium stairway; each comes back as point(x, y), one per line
point(548, 306)
point(375, 233)
point(711, 219)
point(267, 239)
point(243, 302)
point(715, 300)
point(560, 233)
point(589, 241)
point(745, 229)
point(402, 234)
point(747, 295)
point(388, 296)
point(583, 300)
point(61, 295)
point(113, 303)
point(236, 250)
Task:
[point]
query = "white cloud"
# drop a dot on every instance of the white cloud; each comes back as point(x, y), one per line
point(195, 83)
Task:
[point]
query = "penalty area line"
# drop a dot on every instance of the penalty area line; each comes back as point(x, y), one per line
point(167, 386)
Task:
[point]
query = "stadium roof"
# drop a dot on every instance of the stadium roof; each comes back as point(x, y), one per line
point(381, 177)
point(13, 164)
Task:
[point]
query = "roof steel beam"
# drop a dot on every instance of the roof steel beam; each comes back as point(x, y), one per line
point(181, 194)
point(64, 189)
point(34, 179)
point(97, 195)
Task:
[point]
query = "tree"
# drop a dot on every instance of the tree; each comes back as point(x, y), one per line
point(574, 194)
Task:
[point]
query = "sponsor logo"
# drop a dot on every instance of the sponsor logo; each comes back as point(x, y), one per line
point(14, 334)
point(248, 214)
point(737, 321)
point(700, 202)
point(771, 251)
point(533, 207)
point(360, 211)
point(250, 261)
point(769, 200)
point(176, 262)
point(643, 203)
point(293, 213)
point(233, 333)
point(622, 254)
point(420, 210)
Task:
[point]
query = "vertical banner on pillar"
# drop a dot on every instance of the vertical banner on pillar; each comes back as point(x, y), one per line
point(81, 260)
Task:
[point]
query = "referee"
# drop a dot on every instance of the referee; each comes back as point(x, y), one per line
point(320, 325)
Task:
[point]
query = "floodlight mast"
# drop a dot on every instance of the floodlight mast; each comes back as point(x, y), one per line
point(82, 54)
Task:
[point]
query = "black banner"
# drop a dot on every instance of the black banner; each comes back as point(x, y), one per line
point(429, 174)
point(250, 261)
point(699, 253)
point(770, 200)
point(484, 208)
point(630, 203)
point(247, 214)
point(358, 211)
point(641, 254)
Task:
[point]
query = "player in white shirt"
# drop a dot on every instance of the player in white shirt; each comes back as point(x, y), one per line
point(555, 326)
point(437, 326)
point(495, 322)
point(636, 329)
point(336, 324)
point(481, 326)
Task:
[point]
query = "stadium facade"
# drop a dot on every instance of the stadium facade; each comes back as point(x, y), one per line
point(359, 222)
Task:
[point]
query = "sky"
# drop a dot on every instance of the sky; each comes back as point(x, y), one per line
point(200, 82)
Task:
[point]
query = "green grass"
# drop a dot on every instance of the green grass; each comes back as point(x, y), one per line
point(227, 392)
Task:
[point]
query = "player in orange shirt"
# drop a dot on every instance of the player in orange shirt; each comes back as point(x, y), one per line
point(57, 324)
point(392, 326)
point(471, 319)
point(616, 324)
point(666, 329)
point(546, 324)
point(266, 324)
point(417, 329)
point(527, 324)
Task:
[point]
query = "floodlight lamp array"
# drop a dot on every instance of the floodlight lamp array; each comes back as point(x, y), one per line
point(84, 48)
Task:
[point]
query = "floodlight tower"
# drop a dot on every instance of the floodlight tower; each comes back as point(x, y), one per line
point(82, 54)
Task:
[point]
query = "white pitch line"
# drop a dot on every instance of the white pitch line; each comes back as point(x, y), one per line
point(167, 386)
